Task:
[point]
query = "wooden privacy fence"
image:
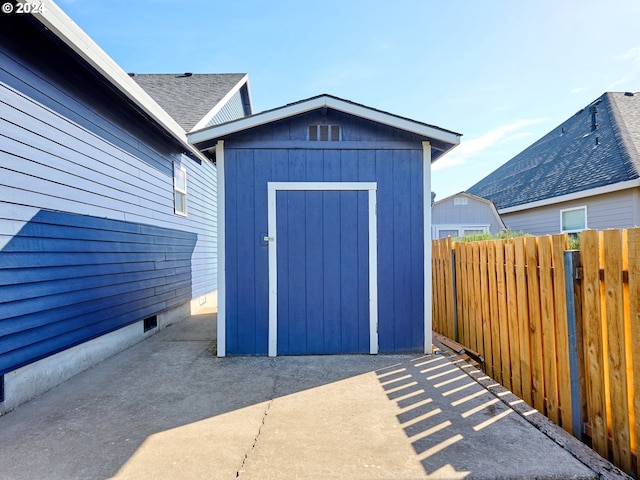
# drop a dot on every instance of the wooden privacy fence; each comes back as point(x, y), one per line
point(560, 329)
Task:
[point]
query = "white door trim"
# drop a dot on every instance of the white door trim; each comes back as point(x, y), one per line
point(272, 189)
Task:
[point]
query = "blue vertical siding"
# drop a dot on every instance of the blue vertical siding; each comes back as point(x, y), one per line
point(398, 173)
point(319, 270)
point(313, 271)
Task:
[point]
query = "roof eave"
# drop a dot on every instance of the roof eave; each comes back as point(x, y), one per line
point(465, 194)
point(614, 187)
point(215, 132)
point(59, 23)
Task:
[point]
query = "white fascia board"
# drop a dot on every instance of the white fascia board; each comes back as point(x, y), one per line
point(463, 194)
point(213, 112)
point(73, 36)
point(496, 215)
point(218, 131)
point(392, 120)
point(614, 187)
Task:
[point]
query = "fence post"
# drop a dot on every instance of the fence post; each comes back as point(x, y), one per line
point(571, 264)
point(455, 295)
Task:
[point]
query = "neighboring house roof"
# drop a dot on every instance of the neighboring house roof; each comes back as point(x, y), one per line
point(441, 140)
point(597, 147)
point(59, 23)
point(470, 196)
point(473, 198)
point(192, 99)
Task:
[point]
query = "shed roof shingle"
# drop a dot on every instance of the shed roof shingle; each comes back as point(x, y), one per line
point(188, 97)
point(572, 158)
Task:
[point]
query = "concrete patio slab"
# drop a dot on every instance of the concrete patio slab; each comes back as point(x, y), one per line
point(168, 408)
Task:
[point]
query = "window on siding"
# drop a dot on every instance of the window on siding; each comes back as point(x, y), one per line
point(180, 189)
point(456, 231)
point(324, 133)
point(447, 233)
point(476, 231)
point(573, 219)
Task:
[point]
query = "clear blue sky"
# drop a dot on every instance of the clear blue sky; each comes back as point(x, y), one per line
point(501, 72)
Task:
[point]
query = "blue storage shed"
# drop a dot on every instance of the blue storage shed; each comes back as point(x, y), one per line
point(324, 239)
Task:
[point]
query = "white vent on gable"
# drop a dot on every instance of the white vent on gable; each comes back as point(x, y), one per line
point(460, 201)
point(324, 133)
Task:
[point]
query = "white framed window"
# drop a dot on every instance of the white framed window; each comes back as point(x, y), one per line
point(474, 231)
point(444, 233)
point(457, 231)
point(573, 220)
point(180, 189)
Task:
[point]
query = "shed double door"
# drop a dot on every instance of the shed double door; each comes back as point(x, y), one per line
point(323, 272)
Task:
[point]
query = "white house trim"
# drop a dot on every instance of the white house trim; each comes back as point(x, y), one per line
point(614, 187)
point(428, 281)
point(323, 186)
point(218, 131)
point(212, 113)
point(272, 189)
point(222, 298)
point(73, 36)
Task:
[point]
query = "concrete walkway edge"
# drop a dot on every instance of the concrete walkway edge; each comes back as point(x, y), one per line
point(580, 451)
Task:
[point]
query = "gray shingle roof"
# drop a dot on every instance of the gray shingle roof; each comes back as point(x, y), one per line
point(187, 97)
point(572, 158)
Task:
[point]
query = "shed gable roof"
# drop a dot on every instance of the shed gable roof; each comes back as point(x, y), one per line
point(573, 157)
point(190, 97)
point(442, 140)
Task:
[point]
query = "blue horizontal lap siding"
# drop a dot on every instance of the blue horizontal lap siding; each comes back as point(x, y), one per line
point(68, 146)
point(42, 314)
point(89, 240)
point(61, 86)
point(398, 174)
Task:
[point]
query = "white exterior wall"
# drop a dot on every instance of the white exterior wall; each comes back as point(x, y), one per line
point(475, 214)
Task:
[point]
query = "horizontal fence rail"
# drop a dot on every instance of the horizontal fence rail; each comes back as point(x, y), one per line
point(560, 329)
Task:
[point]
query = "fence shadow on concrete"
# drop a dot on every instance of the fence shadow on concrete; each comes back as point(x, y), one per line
point(457, 427)
point(560, 329)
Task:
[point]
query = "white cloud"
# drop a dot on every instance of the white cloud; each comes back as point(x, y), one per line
point(493, 138)
point(632, 54)
point(577, 90)
point(627, 80)
point(614, 86)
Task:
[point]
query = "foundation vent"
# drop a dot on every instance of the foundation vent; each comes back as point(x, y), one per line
point(150, 323)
